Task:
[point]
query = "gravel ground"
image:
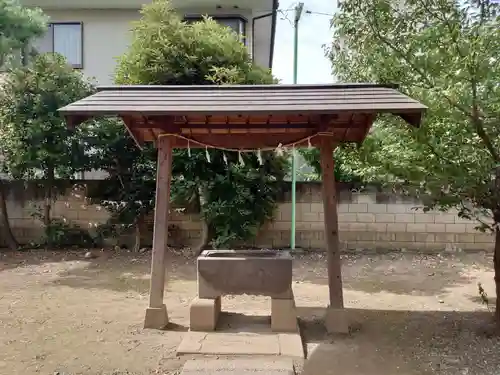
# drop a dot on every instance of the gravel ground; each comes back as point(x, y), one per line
point(412, 314)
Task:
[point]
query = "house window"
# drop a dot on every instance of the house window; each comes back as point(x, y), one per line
point(66, 39)
point(237, 24)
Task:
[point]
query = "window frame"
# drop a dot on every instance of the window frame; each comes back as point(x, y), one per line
point(216, 17)
point(52, 27)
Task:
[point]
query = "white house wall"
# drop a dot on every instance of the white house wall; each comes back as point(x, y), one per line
point(106, 32)
point(106, 35)
point(135, 4)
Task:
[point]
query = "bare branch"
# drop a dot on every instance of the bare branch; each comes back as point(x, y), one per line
point(478, 125)
point(475, 116)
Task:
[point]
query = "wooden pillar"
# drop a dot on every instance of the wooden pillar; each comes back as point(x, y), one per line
point(156, 313)
point(335, 319)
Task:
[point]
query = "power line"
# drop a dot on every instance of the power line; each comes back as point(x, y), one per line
point(284, 13)
point(268, 10)
point(320, 13)
point(290, 10)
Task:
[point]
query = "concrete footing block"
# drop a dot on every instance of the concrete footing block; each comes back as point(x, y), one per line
point(265, 366)
point(336, 320)
point(204, 314)
point(283, 315)
point(156, 317)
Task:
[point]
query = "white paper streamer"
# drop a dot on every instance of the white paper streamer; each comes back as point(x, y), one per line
point(279, 150)
point(207, 154)
point(259, 157)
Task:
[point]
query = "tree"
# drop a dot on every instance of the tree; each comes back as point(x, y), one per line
point(18, 25)
point(343, 171)
point(168, 51)
point(128, 191)
point(445, 54)
point(235, 199)
point(40, 144)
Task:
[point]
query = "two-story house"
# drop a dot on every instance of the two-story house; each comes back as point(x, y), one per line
point(91, 34)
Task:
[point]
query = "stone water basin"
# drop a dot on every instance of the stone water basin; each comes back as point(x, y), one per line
point(253, 272)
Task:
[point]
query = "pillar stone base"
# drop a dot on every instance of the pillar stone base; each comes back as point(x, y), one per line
point(336, 320)
point(204, 314)
point(283, 315)
point(156, 317)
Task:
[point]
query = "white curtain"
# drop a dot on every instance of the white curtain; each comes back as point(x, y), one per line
point(234, 23)
point(68, 42)
point(46, 42)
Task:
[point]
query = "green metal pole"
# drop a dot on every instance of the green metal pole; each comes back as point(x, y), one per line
point(298, 13)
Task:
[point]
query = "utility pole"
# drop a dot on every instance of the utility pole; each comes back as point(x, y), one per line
point(298, 12)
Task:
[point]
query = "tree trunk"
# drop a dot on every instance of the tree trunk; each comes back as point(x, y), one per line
point(205, 232)
point(47, 207)
point(49, 184)
point(7, 234)
point(496, 254)
point(205, 237)
point(138, 231)
point(496, 267)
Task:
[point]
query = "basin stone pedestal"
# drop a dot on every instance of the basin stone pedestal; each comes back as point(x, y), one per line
point(336, 320)
point(283, 315)
point(253, 272)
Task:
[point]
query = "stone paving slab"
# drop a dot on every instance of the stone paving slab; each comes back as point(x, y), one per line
point(238, 367)
point(242, 343)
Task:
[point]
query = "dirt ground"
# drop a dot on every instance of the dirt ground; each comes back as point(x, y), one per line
point(415, 314)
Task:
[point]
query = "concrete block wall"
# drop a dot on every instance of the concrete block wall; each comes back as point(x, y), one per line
point(75, 209)
point(71, 207)
point(371, 220)
point(366, 220)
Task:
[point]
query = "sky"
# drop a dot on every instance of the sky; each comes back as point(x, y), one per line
point(314, 32)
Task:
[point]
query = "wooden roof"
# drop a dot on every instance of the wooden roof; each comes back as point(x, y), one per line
point(246, 116)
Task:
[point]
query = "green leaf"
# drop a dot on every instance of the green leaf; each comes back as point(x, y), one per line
point(445, 54)
point(235, 200)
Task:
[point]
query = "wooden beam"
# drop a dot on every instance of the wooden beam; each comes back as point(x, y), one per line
point(331, 223)
point(250, 140)
point(249, 125)
point(174, 128)
point(349, 128)
point(369, 120)
point(156, 314)
point(171, 123)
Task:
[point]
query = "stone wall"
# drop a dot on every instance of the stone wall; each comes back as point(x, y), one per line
point(374, 220)
point(25, 200)
point(366, 220)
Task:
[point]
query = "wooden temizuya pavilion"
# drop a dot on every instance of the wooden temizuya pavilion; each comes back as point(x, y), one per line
point(246, 117)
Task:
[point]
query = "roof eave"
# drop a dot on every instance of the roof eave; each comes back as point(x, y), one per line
point(74, 118)
point(77, 113)
point(247, 87)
